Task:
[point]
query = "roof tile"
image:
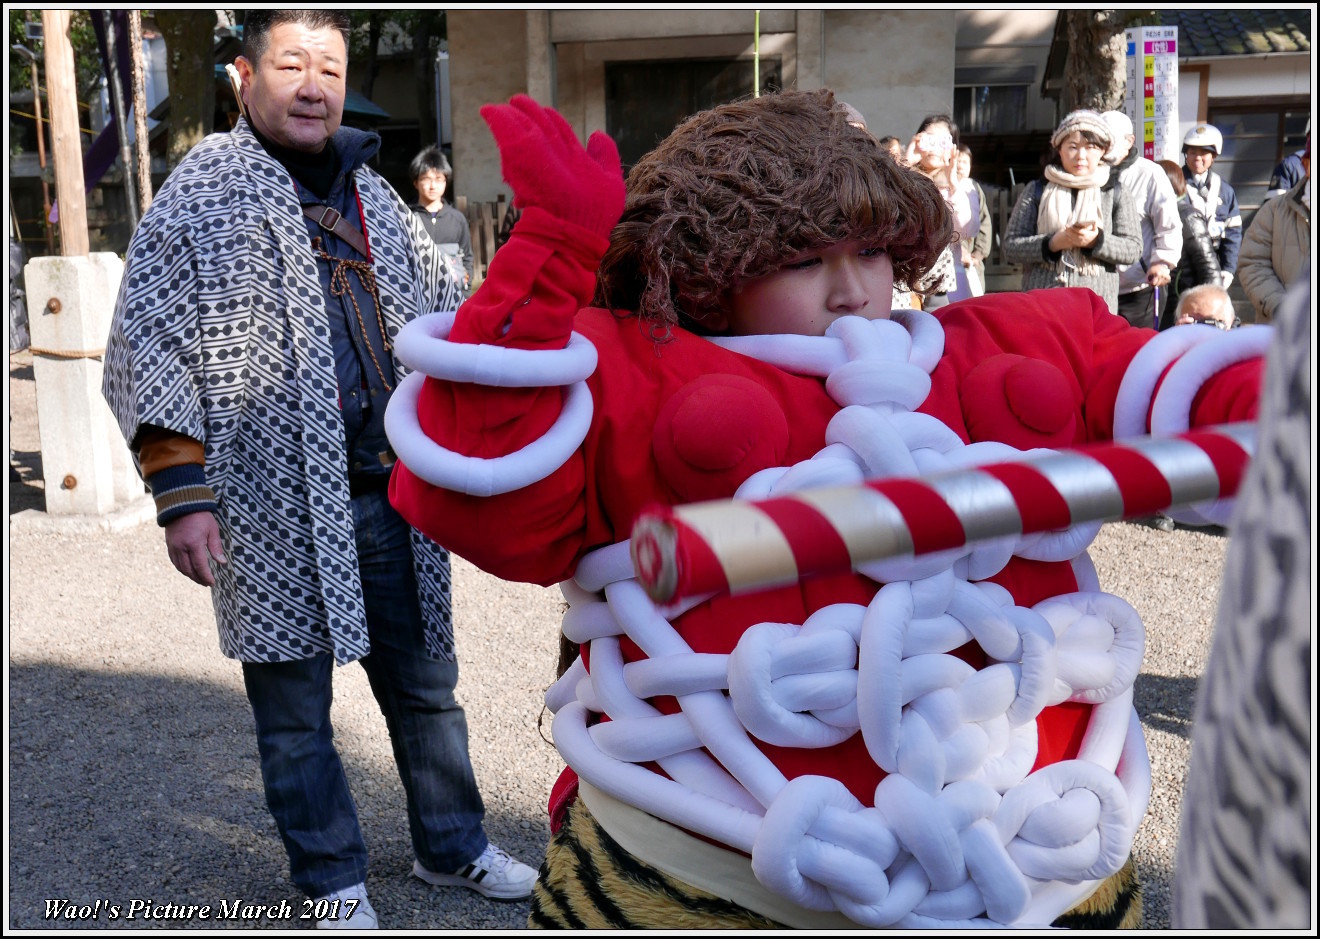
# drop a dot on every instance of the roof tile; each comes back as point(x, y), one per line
point(1211, 32)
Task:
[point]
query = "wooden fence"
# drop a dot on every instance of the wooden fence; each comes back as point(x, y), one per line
point(1001, 275)
point(489, 224)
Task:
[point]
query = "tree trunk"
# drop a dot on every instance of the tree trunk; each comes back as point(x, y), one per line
point(1095, 74)
point(189, 43)
point(373, 53)
point(141, 151)
point(424, 70)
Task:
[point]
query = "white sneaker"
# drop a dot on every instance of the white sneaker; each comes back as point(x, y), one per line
point(345, 909)
point(494, 875)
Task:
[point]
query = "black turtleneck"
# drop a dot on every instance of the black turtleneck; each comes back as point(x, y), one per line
point(315, 171)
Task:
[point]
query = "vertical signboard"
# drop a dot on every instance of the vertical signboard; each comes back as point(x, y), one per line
point(1152, 90)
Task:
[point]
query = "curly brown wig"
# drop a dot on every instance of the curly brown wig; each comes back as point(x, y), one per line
point(736, 191)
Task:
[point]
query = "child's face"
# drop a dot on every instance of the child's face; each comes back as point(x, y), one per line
point(810, 291)
point(430, 187)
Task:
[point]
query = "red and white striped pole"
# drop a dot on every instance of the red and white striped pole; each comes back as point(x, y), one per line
point(742, 546)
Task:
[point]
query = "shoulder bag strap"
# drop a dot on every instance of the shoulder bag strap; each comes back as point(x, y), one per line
point(333, 222)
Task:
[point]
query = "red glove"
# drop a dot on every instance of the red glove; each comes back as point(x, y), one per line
point(546, 166)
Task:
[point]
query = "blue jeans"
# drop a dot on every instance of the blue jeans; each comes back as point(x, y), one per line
point(306, 789)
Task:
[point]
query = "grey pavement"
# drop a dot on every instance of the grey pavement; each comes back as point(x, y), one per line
point(133, 768)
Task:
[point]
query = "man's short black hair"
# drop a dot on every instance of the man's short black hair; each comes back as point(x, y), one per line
point(257, 25)
point(428, 159)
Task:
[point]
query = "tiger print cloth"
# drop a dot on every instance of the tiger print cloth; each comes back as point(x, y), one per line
point(589, 881)
point(220, 333)
point(1244, 841)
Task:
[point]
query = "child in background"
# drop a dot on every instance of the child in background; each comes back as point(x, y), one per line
point(894, 147)
point(945, 750)
point(431, 175)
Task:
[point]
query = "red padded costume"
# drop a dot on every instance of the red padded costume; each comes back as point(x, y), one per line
point(687, 420)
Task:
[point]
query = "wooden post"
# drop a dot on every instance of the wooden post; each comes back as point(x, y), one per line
point(66, 145)
point(141, 140)
point(86, 466)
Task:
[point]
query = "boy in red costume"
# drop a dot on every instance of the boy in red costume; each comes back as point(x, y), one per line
point(954, 748)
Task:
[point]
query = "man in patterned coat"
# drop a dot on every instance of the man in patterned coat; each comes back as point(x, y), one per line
point(249, 364)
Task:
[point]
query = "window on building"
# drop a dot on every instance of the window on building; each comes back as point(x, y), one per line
point(1256, 138)
point(989, 109)
point(645, 101)
point(992, 99)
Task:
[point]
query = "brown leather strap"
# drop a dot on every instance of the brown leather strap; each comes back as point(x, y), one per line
point(332, 221)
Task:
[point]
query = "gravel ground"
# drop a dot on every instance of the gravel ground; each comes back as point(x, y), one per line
point(133, 767)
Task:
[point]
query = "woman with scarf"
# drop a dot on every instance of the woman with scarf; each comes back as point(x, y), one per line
point(1075, 227)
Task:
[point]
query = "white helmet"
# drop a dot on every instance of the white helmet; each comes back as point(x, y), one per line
point(1205, 135)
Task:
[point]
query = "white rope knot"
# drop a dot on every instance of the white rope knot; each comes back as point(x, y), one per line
point(1068, 821)
point(818, 846)
point(797, 686)
point(943, 720)
point(1101, 641)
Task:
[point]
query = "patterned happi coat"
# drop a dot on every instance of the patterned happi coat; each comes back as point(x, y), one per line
point(221, 333)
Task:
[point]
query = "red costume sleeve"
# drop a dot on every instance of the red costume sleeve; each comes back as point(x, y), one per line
point(537, 283)
point(1043, 369)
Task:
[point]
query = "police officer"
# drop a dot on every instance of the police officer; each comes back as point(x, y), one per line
point(1212, 196)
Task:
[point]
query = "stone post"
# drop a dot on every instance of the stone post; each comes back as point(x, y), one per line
point(540, 58)
point(86, 465)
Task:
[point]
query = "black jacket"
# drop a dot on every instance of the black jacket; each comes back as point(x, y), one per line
point(1200, 262)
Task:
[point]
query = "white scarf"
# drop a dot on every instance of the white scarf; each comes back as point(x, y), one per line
point(1057, 211)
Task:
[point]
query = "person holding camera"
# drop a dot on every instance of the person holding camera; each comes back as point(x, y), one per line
point(933, 153)
point(1206, 304)
point(1076, 226)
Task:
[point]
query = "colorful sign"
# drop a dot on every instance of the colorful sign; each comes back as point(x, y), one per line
point(1152, 90)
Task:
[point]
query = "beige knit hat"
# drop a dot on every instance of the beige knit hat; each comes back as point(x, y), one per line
point(1083, 119)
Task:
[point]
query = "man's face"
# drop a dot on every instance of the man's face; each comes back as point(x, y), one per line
point(295, 94)
point(1120, 148)
point(1198, 308)
point(1199, 159)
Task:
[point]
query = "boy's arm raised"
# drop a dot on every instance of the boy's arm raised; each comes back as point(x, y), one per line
point(571, 197)
point(488, 428)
